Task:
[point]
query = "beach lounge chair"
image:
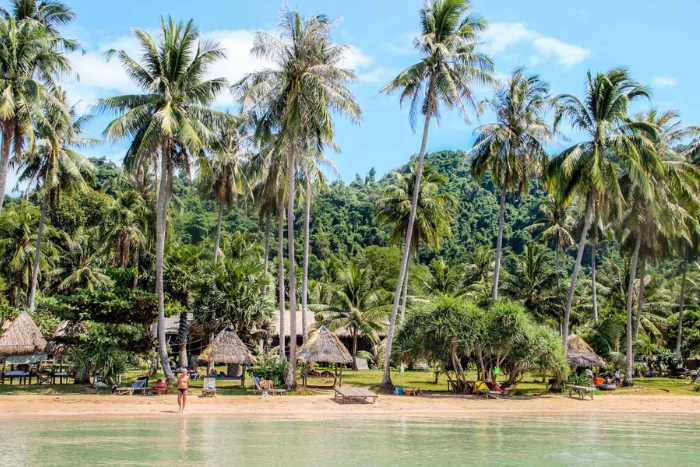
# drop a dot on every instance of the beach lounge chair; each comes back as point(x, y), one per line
point(209, 387)
point(582, 391)
point(140, 385)
point(259, 390)
point(354, 395)
point(158, 389)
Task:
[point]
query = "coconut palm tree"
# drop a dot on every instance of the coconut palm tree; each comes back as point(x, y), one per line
point(450, 64)
point(432, 218)
point(356, 306)
point(298, 97)
point(223, 178)
point(125, 223)
point(56, 164)
point(613, 142)
point(171, 117)
point(50, 14)
point(512, 148)
point(82, 262)
point(29, 66)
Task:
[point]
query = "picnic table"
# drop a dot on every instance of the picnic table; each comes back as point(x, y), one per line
point(24, 377)
point(354, 395)
point(582, 391)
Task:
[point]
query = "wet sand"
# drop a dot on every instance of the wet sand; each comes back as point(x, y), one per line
point(321, 405)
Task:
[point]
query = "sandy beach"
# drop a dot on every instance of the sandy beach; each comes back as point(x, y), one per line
point(322, 405)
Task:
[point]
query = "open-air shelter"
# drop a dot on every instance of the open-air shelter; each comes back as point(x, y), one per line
point(227, 348)
point(323, 346)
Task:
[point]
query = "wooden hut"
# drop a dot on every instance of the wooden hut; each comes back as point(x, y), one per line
point(228, 348)
point(324, 347)
point(64, 337)
point(580, 354)
point(22, 337)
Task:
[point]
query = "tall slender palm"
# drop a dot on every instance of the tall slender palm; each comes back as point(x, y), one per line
point(449, 66)
point(555, 226)
point(50, 14)
point(590, 168)
point(56, 164)
point(29, 66)
point(171, 117)
point(125, 224)
point(432, 218)
point(223, 177)
point(83, 262)
point(512, 148)
point(298, 97)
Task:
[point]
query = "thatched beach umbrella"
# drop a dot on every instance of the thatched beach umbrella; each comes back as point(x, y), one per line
point(22, 337)
point(63, 338)
point(580, 354)
point(228, 348)
point(324, 346)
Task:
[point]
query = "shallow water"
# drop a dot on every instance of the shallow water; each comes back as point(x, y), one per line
point(223, 441)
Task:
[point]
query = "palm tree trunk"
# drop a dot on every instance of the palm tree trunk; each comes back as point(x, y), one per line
point(29, 186)
point(682, 307)
point(267, 249)
point(292, 377)
point(556, 259)
point(403, 304)
point(5, 164)
point(37, 254)
point(161, 219)
point(640, 297)
point(499, 241)
point(280, 273)
point(305, 276)
point(218, 232)
point(183, 331)
point(577, 268)
point(629, 361)
point(136, 266)
point(386, 379)
point(354, 348)
point(593, 282)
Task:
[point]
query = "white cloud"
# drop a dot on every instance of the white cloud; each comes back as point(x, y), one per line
point(500, 37)
point(380, 75)
point(664, 81)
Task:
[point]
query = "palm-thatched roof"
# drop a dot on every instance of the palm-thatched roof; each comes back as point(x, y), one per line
point(65, 335)
point(227, 347)
point(275, 322)
point(22, 337)
point(580, 354)
point(324, 346)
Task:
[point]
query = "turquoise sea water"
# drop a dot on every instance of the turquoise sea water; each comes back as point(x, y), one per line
point(224, 441)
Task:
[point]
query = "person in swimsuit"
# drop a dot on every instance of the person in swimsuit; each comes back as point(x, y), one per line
point(183, 382)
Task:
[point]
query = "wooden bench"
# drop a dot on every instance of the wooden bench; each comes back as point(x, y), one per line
point(582, 391)
point(354, 395)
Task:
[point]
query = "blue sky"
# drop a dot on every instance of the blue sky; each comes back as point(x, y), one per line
point(560, 40)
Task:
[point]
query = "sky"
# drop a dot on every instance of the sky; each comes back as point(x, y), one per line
point(559, 40)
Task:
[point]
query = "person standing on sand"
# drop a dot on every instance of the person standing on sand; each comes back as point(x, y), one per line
point(183, 382)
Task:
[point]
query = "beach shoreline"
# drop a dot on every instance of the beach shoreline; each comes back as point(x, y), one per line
point(40, 406)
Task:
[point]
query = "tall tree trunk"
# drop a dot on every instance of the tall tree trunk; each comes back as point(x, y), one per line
point(640, 297)
point(136, 266)
point(577, 268)
point(161, 219)
point(280, 273)
point(682, 306)
point(354, 348)
point(267, 249)
point(305, 276)
point(556, 262)
point(386, 379)
point(499, 240)
point(593, 280)
point(629, 360)
point(5, 163)
point(218, 232)
point(292, 377)
point(403, 304)
point(183, 331)
point(37, 254)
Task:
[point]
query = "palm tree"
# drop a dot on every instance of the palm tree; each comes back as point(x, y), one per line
point(172, 117)
point(432, 218)
point(590, 168)
point(29, 66)
point(223, 177)
point(445, 278)
point(450, 64)
point(297, 97)
point(82, 262)
point(50, 14)
point(56, 165)
point(356, 306)
point(480, 265)
point(125, 223)
point(513, 147)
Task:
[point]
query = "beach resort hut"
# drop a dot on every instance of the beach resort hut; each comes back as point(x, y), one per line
point(64, 338)
point(324, 347)
point(21, 344)
point(228, 348)
point(580, 354)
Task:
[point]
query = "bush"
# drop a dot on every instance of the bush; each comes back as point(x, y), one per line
point(271, 367)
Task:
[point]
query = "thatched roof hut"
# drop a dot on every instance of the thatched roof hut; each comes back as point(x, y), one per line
point(580, 354)
point(275, 322)
point(324, 346)
point(22, 337)
point(227, 348)
point(65, 335)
